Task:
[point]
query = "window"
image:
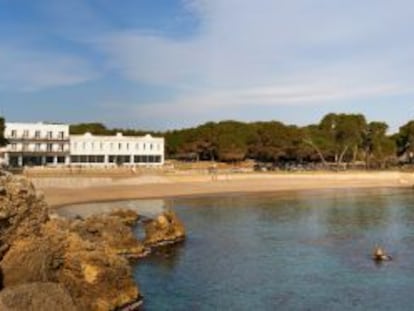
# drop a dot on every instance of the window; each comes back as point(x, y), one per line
point(49, 160)
point(25, 133)
point(37, 134)
point(92, 145)
point(101, 146)
point(25, 147)
point(119, 146)
point(37, 147)
point(127, 146)
point(13, 133)
point(13, 146)
point(84, 146)
point(141, 159)
point(49, 135)
point(49, 147)
point(61, 147)
point(61, 135)
point(144, 146)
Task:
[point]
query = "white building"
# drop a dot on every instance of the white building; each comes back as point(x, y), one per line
point(51, 144)
point(91, 149)
point(36, 144)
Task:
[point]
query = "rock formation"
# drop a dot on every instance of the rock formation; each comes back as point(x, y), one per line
point(113, 231)
point(84, 263)
point(22, 210)
point(165, 229)
point(35, 297)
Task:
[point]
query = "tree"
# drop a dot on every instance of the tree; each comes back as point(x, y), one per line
point(346, 132)
point(93, 128)
point(338, 136)
point(320, 141)
point(405, 139)
point(378, 147)
point(3, 140)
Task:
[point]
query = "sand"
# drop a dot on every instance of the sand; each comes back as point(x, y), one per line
point(61, 191)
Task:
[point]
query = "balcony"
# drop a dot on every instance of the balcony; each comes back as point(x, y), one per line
point(37, 150)
point(37, 138)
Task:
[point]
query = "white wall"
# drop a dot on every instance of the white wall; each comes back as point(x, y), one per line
point(89, 144)
point(44, 128)
point(40, 140)
point(24, 139)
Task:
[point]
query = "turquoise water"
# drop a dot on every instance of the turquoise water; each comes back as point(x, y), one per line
point(298, 251)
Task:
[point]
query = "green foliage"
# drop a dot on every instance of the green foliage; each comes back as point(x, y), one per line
point(93, 128)
point(343, 134)
point(274, 141)
point(338, 138)
point(97, 128)
point(3, 140)
point(405, 138)
point(378, 147)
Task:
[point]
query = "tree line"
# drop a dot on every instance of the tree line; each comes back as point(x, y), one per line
point(337, 139)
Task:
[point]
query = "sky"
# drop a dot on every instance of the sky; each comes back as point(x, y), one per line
point(166, 64)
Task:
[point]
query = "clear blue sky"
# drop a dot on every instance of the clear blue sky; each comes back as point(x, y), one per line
point(159, 64)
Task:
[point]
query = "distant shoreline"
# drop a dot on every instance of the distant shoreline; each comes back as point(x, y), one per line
point(60, 191)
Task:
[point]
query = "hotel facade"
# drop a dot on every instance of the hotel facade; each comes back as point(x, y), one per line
point(37, 144)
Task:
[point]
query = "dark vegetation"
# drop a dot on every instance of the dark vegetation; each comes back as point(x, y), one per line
point(338, 140)
point(3, 141)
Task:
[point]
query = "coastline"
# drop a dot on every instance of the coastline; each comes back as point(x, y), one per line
point(61, 191)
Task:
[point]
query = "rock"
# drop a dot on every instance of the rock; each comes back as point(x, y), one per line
point(112, 231)
point(30, 260)
point(3, 250)
point(36, 297)
point(83, 256)
point(96, 277)
point(4, 214)
point(54, 263)
point(3, 190)
point(127, 216)
point(165, 229)
point(22, 213)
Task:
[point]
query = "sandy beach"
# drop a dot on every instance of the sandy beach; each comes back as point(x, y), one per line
point(66, 190)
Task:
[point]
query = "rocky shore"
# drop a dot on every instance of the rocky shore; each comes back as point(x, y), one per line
point(54, 263)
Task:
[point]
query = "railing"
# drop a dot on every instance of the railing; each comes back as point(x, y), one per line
point(34, 150)
point(37, 138)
